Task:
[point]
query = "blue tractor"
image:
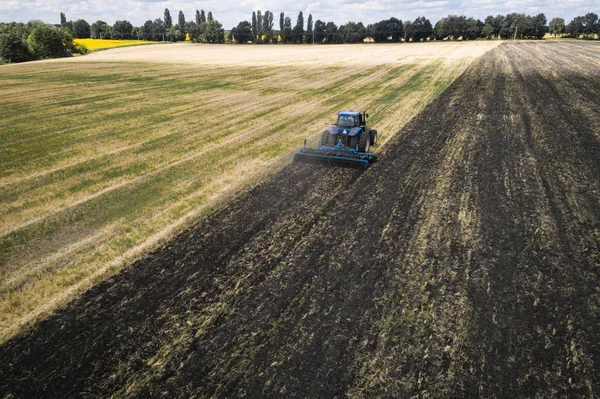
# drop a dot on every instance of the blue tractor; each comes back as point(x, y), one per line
point(346, 142)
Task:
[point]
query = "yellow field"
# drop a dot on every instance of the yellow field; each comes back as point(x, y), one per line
point(103, 157)
point(101, 44)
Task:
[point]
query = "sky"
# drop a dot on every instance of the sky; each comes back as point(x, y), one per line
point(339, 11)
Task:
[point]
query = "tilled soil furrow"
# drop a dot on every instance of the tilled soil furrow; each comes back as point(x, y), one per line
point(464, 263)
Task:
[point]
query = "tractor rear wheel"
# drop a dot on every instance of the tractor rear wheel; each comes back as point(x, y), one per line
point(364, 142)
point(373, 137)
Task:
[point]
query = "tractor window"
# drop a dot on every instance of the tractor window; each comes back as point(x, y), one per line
point(345, 121)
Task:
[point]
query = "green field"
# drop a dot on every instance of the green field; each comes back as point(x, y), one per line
point(102, 161)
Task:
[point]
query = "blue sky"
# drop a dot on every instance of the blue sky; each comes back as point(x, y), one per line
point(339, 11)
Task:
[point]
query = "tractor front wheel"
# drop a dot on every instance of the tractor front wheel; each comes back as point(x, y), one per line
point(364, 142)
point(373, 137)
point(325, 138)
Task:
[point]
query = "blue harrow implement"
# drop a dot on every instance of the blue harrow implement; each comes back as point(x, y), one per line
point(338, 155)
point(346, 142)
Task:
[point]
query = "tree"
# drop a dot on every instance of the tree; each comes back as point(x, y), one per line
point(332, 35)
point(158, 29)
point(45, 41)
point(487, 31)
point(81, 29)
point(309, 29)
point(259, 26)
point(281, 23)
point(378, 31)
point(590, 25)
point(63, 20)
point(557, 26)
point(242, 32)
point(268, 25)
point(538, 24)
point(145, 31)
point(202, 17)
point(209, 17)
point(473, 29)
point(136, 33)
point(168, 20)
point(212, 32)
point(420, 29)
point(13, 48)
point(192, 29)
point(122, 30)
point(98, 30)
point(496, 23)
point(352, 32)
point(182, 24)
point(298, 31)
point(408, 30)
point(286, 32)
point(254, 25)
point(320, 27)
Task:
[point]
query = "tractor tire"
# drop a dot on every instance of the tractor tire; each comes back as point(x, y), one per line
point(364, 142)
point(373, 137)
point(325, 138)
point(352, 142)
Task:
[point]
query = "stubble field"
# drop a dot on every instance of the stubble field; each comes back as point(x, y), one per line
point(105, 156)
point(464, 264)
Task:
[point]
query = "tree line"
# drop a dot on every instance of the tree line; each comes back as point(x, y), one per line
point(37, 40)
point(34, 40)
point(203, 29)
point(452, 27)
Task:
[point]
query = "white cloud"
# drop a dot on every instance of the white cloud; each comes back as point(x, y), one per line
point(339, 11)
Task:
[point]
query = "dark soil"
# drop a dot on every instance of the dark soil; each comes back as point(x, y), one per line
point(466, 262)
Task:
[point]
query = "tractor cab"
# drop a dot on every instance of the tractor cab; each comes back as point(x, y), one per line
point(351, 119)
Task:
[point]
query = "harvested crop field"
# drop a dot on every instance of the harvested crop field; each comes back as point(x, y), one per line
point(104, 157)
point(464, 263)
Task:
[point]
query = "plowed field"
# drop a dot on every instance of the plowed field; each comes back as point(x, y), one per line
point(464, 263)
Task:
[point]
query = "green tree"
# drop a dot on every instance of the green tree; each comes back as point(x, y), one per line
point(98, 30)
point(496, 22)
point(242, 32)
point(487, 31)
point(332, 34)
point(268, 26)
point(352, 32)
point(557, 27)
point(298, 31)
point(286, 34)
point(254, 26)
point(168, 20)
point(122, 30)
point(181, 25)
point(63, 20)
point(473, 29)
point(13, 48)
point(212, 32)
point(81, 29)
point(46, 41)
point(590, 25)
point(309, 29)
point(320, 28)
point(202, 17)
point(420, 29)
point(259, 26)
point(198, 20)
point(209, 17)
